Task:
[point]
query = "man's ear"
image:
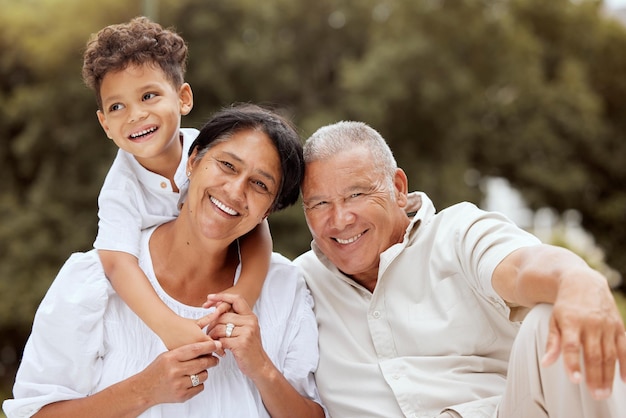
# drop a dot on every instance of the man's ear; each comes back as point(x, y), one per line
point(103, 122)
point(401, 187)
point(185, 97)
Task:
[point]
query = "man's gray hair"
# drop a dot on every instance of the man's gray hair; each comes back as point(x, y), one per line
point(332, 139)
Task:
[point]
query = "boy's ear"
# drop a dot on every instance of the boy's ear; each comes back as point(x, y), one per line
point(103, 122)
point(185, 96)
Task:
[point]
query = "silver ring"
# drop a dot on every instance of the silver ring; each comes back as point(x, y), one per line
point(229, 329)
point(195, 380)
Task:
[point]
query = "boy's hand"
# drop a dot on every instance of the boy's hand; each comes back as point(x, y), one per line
point(221, 307)
point(179, 331)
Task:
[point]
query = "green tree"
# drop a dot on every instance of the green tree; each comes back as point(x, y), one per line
point(578, 157)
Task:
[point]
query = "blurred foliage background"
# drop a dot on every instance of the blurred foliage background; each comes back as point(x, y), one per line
point(529, 90)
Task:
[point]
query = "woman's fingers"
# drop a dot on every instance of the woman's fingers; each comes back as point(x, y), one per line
point(195, 351)
point(169, 377)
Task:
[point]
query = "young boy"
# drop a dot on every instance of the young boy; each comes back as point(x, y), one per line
point(136, 70)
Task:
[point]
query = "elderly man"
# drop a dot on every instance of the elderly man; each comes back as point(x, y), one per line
point(422, 316)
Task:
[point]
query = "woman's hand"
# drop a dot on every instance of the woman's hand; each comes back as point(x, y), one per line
point(244, 339)
point(168, 378)
point(239, 332)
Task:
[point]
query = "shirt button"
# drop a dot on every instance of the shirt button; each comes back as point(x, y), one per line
point(163, 185)
point(376, 314)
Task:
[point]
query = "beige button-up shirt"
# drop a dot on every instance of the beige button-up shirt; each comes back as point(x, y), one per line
point(433, 335)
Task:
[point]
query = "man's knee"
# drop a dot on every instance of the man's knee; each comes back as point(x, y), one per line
point(531, 340)
point(537, 323)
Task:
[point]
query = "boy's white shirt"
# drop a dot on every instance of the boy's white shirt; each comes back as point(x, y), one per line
point(133, 198)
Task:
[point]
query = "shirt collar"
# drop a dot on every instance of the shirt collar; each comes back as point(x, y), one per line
point(155, 181)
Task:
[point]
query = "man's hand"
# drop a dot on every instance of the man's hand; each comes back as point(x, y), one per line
point(585, 319)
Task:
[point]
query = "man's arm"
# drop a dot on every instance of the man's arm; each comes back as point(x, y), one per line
point(585, 316)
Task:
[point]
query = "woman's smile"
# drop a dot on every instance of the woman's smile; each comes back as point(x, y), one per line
point(223, 207)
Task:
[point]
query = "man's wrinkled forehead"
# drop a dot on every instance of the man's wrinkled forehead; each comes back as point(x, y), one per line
point(338, 177)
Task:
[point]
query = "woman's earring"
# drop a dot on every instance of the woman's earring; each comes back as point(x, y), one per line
point(189, 173)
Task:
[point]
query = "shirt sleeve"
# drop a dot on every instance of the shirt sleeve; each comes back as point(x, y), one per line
point(485, 239)
point(61, 359)
point(119, 214)
point(119, 222)
point(302, 352)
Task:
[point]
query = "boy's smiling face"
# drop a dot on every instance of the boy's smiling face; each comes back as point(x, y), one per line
point(141, 112)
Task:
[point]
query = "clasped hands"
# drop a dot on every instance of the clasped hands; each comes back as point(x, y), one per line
point(181, 372)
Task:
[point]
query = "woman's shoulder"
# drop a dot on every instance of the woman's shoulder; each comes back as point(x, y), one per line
point(278, 258)
point(285, 266)
point(284, 274)
point(81, 282)
point(285, 294)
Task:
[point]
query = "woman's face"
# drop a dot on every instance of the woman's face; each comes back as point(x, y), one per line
point(234, 185)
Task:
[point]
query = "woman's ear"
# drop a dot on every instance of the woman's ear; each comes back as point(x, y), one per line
point(190, 162)
point(268, 213)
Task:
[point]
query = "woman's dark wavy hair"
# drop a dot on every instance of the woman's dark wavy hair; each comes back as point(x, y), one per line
point(239, 117)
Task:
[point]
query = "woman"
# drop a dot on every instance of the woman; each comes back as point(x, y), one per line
point(90, 355)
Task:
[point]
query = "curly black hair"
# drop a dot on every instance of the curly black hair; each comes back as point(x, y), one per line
point(137, 42)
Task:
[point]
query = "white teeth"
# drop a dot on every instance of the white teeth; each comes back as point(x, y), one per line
point(144, 132)
point(349, 240)
point(222, 206)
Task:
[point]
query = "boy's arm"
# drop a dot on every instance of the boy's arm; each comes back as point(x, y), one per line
point(256, 251)
point(130, 282)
